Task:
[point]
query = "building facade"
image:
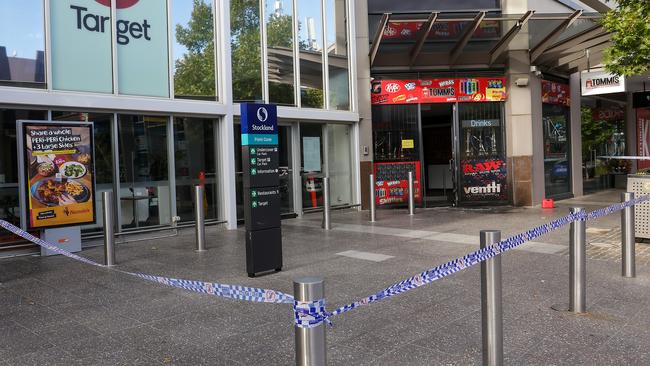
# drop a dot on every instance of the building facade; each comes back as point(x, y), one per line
point(162, 81)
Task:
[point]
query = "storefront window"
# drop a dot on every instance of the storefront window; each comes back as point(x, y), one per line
point(144, 171)
point(9, 204)
point(279, 30)
point(339, 164)
point(603, 138)
point(312, 170)
point(22, 44)
point(103, 144)
point(246, 50)
point(337, 54)
point(310, 42)
point(557, 165)
point(285, 171)
point(196, 163)
point(193, 49)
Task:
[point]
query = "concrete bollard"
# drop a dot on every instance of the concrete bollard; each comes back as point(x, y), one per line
point(491, 310)
point(109, 228)
point(628, 237)
point(199, 217)
point(577, 264)
point(310, 342)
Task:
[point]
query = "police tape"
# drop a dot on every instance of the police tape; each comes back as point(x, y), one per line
point(235, 292)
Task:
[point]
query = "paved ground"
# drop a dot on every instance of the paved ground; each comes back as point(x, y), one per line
point(57, 312)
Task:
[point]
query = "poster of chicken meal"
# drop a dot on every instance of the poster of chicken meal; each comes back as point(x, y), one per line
point(59, 174)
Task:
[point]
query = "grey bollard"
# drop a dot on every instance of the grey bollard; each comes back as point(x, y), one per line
point(373, 206)
point(199, 216)
point(310, 342)
point(577, 264)
point(628, 237)
point(109, 228)
point(491, 310)
point(411, 194)
point(327, 223)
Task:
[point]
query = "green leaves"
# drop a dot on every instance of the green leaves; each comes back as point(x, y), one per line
point(629, 24)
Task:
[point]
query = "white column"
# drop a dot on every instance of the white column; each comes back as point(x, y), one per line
point(576, 136)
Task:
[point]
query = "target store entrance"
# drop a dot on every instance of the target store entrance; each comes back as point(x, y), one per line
point(449, 132)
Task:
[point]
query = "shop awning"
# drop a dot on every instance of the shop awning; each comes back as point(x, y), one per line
point(439, 41)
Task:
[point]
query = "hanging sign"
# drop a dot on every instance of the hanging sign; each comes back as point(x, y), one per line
point(438, 91)
point(59, 174)
point(556, 93)
point(600, 82)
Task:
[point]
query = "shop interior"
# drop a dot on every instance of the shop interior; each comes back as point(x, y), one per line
point(437, 153)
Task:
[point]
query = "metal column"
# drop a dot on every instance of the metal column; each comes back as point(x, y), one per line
point(411, 195)
point(491, 310)
point(628, 237)
point(310, 342)
point(577, 264)
point(327, 224)
point(199, 215)
point(373, 206)
point(109, 228)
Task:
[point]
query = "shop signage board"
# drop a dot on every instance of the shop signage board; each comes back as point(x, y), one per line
point(82, 46)
point(484, 180)
point(392, 182)
point(438, 91)
point(601, 82)
point(402, 31)
point(59, 174)
point(556, 93)
point(260, 160)
point(643, 133)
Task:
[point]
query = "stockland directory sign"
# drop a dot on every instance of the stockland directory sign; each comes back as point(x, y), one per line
point(82, 53)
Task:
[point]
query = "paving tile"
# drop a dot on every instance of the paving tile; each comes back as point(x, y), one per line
point(21, 342)
point(46, 357)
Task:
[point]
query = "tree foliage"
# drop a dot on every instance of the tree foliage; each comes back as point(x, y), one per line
point(195, 71)
point(629, 24)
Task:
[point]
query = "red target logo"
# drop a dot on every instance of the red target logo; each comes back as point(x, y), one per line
point(120, 4)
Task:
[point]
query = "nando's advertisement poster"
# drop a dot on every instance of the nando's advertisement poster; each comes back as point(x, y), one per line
point(59, 173)
point(438, 91)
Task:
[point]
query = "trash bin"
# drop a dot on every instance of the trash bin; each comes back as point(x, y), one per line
point(640, 185)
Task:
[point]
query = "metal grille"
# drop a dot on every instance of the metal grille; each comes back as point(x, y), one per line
point(640, 185)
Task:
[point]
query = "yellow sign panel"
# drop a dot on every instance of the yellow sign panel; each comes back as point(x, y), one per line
point(408, 144)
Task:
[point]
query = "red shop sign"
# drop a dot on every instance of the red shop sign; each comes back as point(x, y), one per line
point(556, 93)
point(438, 91)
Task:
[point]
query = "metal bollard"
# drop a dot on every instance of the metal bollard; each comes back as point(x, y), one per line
point(628, 237)
point(411, 195)
point(577, 264)
point(373, 206)
point(199, 216)
point(109, 229)
point(310, 342)
point(327, 223)
point(491, 310)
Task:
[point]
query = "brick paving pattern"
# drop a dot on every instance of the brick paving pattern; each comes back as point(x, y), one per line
point(606, 245)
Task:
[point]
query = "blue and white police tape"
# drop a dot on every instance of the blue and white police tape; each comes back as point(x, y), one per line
point(480, 255)
point(308, 314)
point(210, 288)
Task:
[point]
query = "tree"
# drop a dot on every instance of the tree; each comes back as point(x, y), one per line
point(629, 24)
point(195, 71)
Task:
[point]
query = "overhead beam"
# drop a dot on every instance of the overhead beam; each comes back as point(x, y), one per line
point(503, 43)
point(583, 64)
point(376, 41)
point(578, 55)
point(542, 46)
point(551, 57)
point(576, 39)
point(597, 5)
point(467, 34)
point(422, 37)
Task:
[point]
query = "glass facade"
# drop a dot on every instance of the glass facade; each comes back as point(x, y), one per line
point(557, 164)
point(310, 41)
point(193, 50)
point(245, 45)
point(22, 43)
point(337, 54)
point(280, 49)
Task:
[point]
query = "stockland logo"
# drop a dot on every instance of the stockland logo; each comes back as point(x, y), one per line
point(126, 29)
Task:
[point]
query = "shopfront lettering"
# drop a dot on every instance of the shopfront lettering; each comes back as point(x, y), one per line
point(490, 188)
point(603, 82)
point(487, 166)
point(126, 30)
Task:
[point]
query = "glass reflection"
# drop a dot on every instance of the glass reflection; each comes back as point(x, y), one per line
point(144, 185)
point(337, 54)
point(246, 50)
point(339, 164)
point(279, 30)
point(193, 49)
point(310, 42)
point(22, 44)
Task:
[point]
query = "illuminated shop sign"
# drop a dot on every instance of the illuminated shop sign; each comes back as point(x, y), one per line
point(82, 56)
point(438, 91)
